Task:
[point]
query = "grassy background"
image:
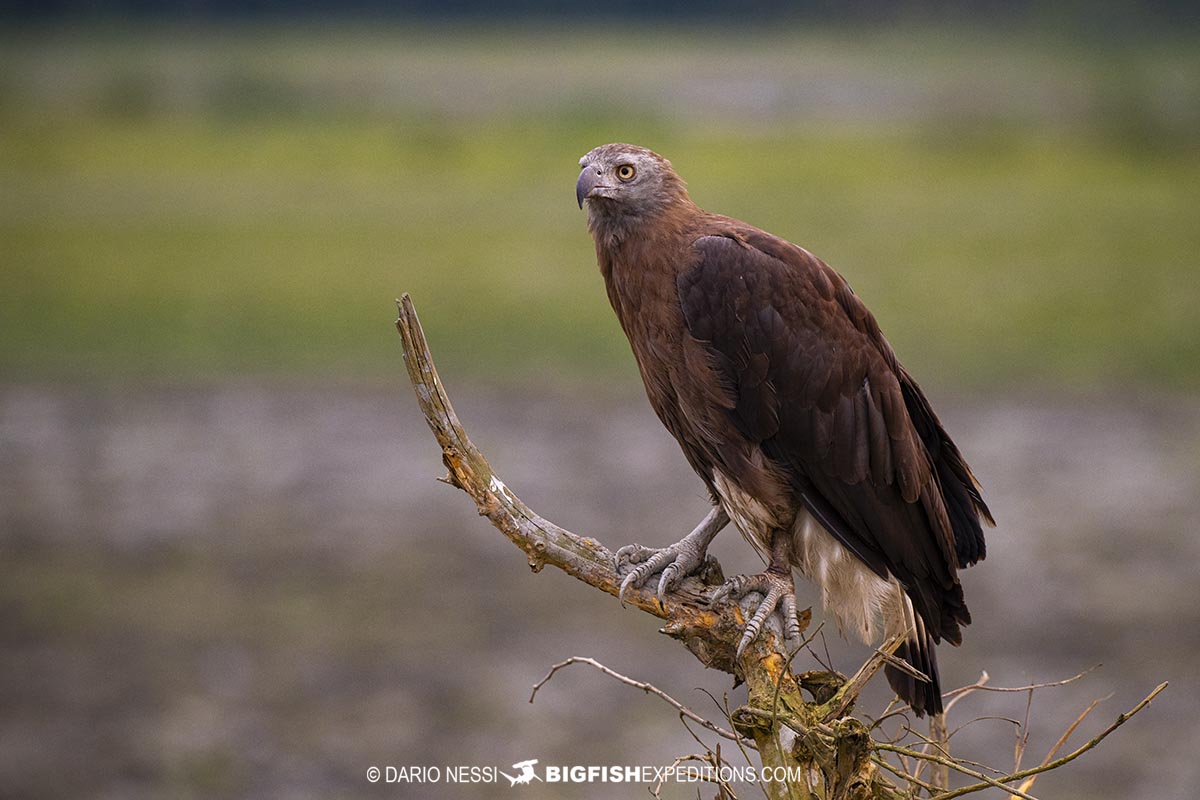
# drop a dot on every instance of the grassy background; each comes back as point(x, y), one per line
point(248, 202)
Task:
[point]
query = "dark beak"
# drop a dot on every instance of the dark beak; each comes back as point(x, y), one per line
point(587, 181)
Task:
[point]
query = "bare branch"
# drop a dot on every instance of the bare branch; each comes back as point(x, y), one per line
point(1121, 720)
point(899, 773)
point(941, 740)
point(895, 708)
point(959, 694)
point(1028, 784)
point(648, 688)
point(930, 742)
point(981, 684)
point(957, 767)
point(543, 542)
point(987, 718)
point(729, 716)
point(848, 694)
point(711, 633)
point(1022, 733)
point(710, 758)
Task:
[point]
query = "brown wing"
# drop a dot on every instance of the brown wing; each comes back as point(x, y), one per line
point(817, 387)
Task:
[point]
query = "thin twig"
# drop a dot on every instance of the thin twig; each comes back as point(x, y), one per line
point(959, 694)
point(937, 732)
point(706, 758)
point(930, 742)
point(722, 782)
point(891, 710)
point(957, 767)
point(883, 762)
point(1120, 720)
point(989, 717)
point(1022, 733)
point(683, 720)
point(648, 688)
point(826, 662)
point(1028, 783)
point(980, 685)
point(723, 708)
point(852, 688)
point(729, 716)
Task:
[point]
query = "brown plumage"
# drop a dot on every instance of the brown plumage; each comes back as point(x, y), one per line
point(792, 408)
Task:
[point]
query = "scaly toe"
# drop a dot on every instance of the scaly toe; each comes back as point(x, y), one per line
point(675, 562)
point(632, 554)
point(650, 564)
point(778, 593)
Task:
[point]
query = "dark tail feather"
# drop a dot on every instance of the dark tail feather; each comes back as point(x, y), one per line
point(917, 651)
point(964, 501)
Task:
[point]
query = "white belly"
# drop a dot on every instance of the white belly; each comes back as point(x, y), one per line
point(857, 598)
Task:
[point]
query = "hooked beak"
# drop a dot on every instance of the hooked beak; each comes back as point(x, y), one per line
point(589, 179)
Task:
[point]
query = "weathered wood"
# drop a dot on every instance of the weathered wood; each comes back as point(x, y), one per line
point(712, 634)
point(833, 753)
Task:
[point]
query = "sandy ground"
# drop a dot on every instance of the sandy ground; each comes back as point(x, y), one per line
point(252, 591)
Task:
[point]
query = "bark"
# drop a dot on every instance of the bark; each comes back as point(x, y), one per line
point(816, 738)
point(711, 634)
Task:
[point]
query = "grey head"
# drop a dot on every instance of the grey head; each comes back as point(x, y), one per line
point(627, 180)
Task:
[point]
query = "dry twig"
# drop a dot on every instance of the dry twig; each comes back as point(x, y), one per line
point(981, 684)
point(1028, 784)
point(648, 688)
point(1046, 767)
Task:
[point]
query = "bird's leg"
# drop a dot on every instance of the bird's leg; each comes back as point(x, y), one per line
point(676, 562)
point(777, 588)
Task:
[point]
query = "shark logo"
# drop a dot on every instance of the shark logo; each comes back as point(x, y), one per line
point(526, 775)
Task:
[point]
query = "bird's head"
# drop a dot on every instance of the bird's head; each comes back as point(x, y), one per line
point(622, 180)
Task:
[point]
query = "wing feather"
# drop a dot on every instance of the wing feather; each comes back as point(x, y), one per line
point(817, 387)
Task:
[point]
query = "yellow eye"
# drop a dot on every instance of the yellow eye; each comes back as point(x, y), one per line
point(625, 172)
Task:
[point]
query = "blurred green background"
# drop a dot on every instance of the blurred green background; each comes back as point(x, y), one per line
point(227, 569)
point(248, 201)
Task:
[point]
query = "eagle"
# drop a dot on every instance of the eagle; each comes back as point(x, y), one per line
point(791, 406)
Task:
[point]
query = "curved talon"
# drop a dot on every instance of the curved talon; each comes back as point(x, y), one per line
point(754, 626)
point(670, 575)
point(624, 586)
point(649, 565)
point(778, 593)
point(675, 562)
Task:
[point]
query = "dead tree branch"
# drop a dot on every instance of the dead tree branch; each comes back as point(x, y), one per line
point(648, 688)
point(832, 752)
point(712, 634)
point(1069, 757)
